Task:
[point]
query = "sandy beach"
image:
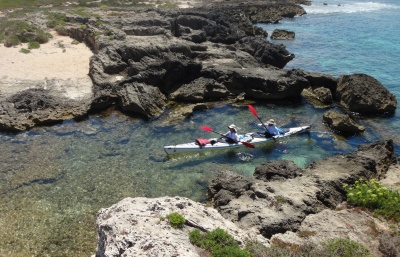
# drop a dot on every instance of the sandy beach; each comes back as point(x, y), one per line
point(58, 59)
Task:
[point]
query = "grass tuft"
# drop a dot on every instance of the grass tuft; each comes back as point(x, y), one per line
point(33, 45)
point(176, 220)
point(218, 242)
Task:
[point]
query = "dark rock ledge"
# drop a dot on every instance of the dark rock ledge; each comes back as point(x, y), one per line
point(145, 58)
point(292, 207)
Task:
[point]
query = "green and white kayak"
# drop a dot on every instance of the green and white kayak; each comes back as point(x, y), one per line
point(214, 144)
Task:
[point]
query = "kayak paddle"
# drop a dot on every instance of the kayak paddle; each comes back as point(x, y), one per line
point(255, 114)
point(211, 130)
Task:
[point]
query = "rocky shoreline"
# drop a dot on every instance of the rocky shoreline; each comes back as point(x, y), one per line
point(144, 59)
point(281, 205)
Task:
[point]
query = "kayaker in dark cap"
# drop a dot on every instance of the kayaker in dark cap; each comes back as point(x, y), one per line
point(270, 129)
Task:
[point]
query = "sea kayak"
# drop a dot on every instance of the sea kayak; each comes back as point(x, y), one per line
point(252, 138)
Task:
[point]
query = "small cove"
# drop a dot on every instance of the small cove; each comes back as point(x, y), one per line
point(54, 179)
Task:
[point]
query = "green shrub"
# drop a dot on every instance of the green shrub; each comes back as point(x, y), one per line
point(218, 242)
point(61, 30)
point(344, 248)
point(196, 237)
point(229, 251)
point(220, 237)
point(176, 220)
point(82, 12)
point(33, 45)
point(371, 194)
point(10, 41)
point(99, 23)
point(13, 32)
point(25, 51)
point(56, 19)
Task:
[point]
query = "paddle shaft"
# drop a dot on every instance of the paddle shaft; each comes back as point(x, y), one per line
point(211, 130)
point(226, 137)
point(253, 110)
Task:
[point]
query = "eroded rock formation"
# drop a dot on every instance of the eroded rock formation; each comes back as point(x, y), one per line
point(291, 210)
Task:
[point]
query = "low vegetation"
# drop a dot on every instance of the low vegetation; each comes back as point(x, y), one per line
point(9, 4)
point(24, 51)
point(15, 32)
point(218, 242)
point(339, 247)
point(56, 19)
point(33, 45)
point(176, 220)
point(372, 195)
point(29, 4)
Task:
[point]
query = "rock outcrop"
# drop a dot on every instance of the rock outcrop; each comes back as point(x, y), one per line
point(278, 206)
point(281, 34)
point(342, 122)
point(38, 106)
point(145, 58)
point(138, 227)
point(355, 225)
point(290, 210)
point(364, 94)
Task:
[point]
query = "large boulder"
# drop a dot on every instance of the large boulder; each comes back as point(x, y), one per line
point(281, 34)
point(141, 98)
point(37, 106)
point(324, 95)
point(364, 94)
point(342, 122)
point(139, 227)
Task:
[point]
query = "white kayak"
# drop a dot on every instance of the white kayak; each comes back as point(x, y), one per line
point(251, 138)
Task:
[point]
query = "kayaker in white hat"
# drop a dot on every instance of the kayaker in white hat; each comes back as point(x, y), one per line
point(231, 136)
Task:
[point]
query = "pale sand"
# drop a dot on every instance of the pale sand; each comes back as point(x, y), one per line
point(58, 60)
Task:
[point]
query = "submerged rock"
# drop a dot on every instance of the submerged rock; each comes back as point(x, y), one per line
point(342, 122)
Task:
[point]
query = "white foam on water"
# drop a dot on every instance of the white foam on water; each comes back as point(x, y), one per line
point(327, 7)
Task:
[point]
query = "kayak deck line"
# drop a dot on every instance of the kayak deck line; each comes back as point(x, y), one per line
point(253, 138)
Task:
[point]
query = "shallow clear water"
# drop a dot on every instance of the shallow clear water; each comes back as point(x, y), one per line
point(53, 180)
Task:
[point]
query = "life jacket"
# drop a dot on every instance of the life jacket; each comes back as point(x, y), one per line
point(202, 141)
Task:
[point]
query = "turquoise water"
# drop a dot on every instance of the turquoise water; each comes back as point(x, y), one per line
point(53, 180)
